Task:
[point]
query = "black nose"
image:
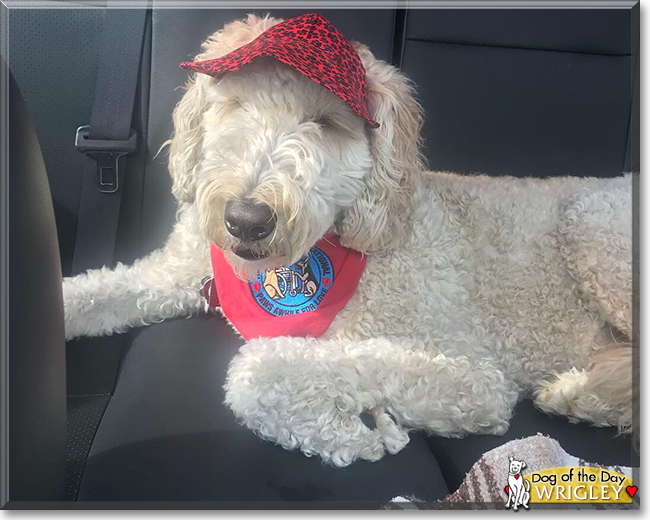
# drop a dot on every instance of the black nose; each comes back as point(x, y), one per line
point(249, 220)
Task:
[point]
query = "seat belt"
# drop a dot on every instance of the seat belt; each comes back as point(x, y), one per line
point(108, 138)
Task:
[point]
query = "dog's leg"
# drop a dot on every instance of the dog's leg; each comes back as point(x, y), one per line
point(515, 497)
point(520, 494)
point(596, 227)
point(309, 394)
point(163, 285)
point(602, 394)
point(526, 495)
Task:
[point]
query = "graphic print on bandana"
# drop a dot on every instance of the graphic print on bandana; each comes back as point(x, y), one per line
point(297, 288)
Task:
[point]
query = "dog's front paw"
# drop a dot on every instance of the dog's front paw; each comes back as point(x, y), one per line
point(315, 426)
point(300, 401)
point(394, 436)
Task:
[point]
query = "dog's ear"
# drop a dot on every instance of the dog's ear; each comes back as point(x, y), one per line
point(523, 464)
point(187, 141)
point(512, 458)
point(377, 219)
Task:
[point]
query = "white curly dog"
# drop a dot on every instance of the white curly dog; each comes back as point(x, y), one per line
point(477, 291)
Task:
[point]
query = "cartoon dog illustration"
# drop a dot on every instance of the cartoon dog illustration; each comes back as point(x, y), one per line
point(295, 282)
point(518, 488)
point(308, 279)
point(272, 285)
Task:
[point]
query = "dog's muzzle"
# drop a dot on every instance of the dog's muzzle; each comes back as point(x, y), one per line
point(248, 220)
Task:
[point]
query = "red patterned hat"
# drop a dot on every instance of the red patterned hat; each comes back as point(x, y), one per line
point(312, 46)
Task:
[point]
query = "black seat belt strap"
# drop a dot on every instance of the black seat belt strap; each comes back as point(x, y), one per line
point(108, 138)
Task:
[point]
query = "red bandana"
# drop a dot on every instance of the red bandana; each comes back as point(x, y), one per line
point(312, 46)
point(297, 300)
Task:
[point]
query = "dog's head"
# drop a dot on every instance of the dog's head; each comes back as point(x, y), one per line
point(516, 466)
point(273, 161)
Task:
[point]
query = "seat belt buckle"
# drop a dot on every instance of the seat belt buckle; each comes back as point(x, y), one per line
point(107, 154)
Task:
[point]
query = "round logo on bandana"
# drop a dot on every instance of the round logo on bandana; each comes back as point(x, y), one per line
point(296, 288)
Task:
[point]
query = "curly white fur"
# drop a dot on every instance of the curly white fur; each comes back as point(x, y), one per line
point(477, 291)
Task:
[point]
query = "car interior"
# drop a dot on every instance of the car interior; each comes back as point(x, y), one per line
point(139, 416)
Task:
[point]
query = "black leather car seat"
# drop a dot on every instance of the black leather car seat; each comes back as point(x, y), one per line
point(37, 375)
